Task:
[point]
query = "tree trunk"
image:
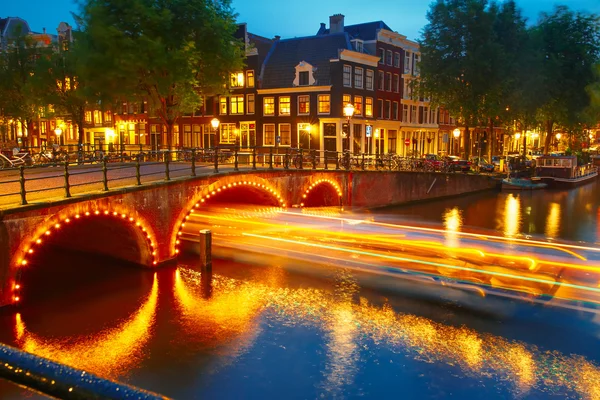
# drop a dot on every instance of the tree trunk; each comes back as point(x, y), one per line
point(548, 141)
point(27, 139)
point(491, 141)
point(467, 142)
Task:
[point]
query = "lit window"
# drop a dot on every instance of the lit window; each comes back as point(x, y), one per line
point(237, 80)
point(250, 78)
point(324, 103)
point(369, 107)
point(284, 105)
point(303, 105)
point(237, 104)
point(269, 135)
point(346, 99)
point(223, 105)
point(269, 106)
point(285, 134)
point(107, 116)
point(228, 133)
point(88, 116)
point(358, 105)
point(97, 117)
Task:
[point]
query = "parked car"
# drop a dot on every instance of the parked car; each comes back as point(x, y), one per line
point(457, 164)
point(434, 161)
point(482, 164)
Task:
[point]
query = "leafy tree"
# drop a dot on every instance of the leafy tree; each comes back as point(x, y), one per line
point(20, 99)
point(170, 52)
point(570, 44)
point(458, 62)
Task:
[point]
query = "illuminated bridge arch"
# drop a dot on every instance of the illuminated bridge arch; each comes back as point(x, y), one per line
point(222, 188)
point(322, 192)
point(143, 236)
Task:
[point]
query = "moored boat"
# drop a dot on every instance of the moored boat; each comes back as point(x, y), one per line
point(563, 171)
point(521, 184)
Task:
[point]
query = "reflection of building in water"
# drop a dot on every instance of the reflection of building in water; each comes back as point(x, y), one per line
point(109, 353)
point(553, 221)
point(511, 216)
point(452, 222)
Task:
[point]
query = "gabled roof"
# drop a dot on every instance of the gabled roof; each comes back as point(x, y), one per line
point(279, 67)
point(366, 31)
point(11, 25)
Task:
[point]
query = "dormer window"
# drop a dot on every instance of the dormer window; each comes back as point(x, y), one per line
point(358, 45)
point(304, 74)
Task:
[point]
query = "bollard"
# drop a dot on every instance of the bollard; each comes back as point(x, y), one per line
point(337, 161)
point(105, 173)
point(286, 160)
point(301, 159)
point(270, 158)
point(216, 159)
point(254, 158)
point(193, 162)
point(167, 171)
point(206, 282)
point(22, 182)
point(314, 159)
point(67, 186)
point(138, 175)
point(205, 249)
point(363, 162)
point(235, 158)
point(325, 158)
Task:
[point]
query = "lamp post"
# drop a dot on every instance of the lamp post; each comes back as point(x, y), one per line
point(517, 137)
point(308, 128)
point(376, 135)
point(456, 134)
point(348, 113)
point(122, 136)
point(215, 125)
point(58, 133)
point(558, 136)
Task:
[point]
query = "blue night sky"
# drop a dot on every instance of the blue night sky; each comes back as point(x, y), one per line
point(288, 19)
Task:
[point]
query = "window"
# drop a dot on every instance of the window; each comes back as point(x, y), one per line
point(387, 110)
point(358, 105)
point(88, 116)
point(250, 78)
point(397, 60)
point(347, 76)
point(303, 105)
point(250, 107)
point(389, 57)
point(392, 141)
point(223, 105)
point(237, 104)
point(285, 134)
point(396, 83)
point(416, 69)
point(406, 93)
point(413, 114)
point(358, 78)
point(380, 75)
point(380, 106)
point(107, 116)
point(346, 99)
point(395, 110)
point(269, 135)
point(388, 81)
point(237, 80)
point(405, 113)
point(228, 133)
point(284, 105)
point(407, 62)
point(324, 104)
point(97, 117)
point(357, 134)
point(369, 80)
point(303, 78)
point(425, 115)
point(369, 107)
point(381, 54)
point(269, 106)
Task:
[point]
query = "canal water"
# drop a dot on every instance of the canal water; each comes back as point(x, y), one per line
point(266, 331)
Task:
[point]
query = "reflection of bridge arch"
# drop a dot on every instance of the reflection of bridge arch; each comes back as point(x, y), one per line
point(332, 189)
point(109, 353)
point(143, 235)
point(223, 188)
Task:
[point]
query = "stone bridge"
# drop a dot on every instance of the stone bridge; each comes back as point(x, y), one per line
point(141, 224)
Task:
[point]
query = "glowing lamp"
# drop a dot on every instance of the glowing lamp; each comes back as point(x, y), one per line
point(215, 123)
point(456, 133)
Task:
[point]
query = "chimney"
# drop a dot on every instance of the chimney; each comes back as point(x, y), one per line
point(277, 38)
point(336, 23)
point(44, 30)
point(322, 26)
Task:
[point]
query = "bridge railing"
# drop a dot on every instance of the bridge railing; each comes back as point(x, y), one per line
point(64, 179)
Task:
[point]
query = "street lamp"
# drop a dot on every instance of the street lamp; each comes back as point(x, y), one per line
point(215, 125)
point(307, 128)
point(58, 133)
point(456, 134)
point(558, 136)
point(348, 113)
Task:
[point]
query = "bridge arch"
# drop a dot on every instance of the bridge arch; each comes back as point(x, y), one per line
point(143, 236)
point(322, 192)
point(221, 188)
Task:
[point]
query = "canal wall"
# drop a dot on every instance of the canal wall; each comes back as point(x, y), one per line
point(142, 224)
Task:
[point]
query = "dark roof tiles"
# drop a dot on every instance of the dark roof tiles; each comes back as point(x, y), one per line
point(366, 31)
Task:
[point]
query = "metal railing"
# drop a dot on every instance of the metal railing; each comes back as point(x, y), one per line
point(66, 178)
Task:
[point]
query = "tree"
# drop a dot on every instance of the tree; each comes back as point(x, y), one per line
point(570, 42)
point(170, 52)
point(20, 98)
point(458, 60)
